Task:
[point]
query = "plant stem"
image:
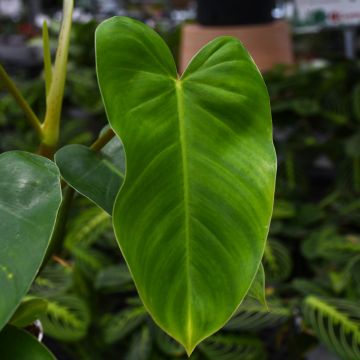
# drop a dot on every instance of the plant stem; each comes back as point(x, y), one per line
point(14, 91)
point(102, 140)
point(51, 125)
point(61, 261)
point(47, 57)
point(47, 151)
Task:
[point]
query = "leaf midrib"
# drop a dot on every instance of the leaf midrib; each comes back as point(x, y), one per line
point(333, 313)
point(183, 146)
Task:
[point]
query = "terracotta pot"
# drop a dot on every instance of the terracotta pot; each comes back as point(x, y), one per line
point(269, 44)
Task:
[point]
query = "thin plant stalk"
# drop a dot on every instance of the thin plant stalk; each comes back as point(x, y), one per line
point(23, 104)
point(102, 140)
point(51, 125)
point(47, 58)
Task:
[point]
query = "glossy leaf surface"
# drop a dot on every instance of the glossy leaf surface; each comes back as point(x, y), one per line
point(193, 213)
point(16, 344)
point(30, 197)
point(114, 151)
point(91, 174)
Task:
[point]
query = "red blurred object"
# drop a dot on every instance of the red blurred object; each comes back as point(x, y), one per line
point(28, 30)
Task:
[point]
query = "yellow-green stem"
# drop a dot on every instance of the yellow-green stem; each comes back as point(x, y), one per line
point(51, 126)
point(47, 57)
point(14, 91)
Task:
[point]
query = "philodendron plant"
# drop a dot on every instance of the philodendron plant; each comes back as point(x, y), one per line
point(191, 208)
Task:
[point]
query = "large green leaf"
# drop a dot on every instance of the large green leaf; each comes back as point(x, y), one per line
point(90, 173)
point(277, 261)
point(114, 278)
point(16, 344)
point(30, 197)
point(193, 213)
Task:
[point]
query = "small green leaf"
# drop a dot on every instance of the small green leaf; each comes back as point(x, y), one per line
point(29, 310)
point(307, 287)
point(30, 197)
point(283, 209)
point(193, 214)
point(117, 326)
point(54, 280)
point(257, 289)
point(352, 146)
point(166, 344)
point(67, 318)
point(277, 261)
point(90, 173)
point(113, 279)
point(230, 347)
point(16, 344)
point(252, 316)
point(87, 228)
point(305, 107)
point(328, 243)
point(140, 346)
point(89, 260)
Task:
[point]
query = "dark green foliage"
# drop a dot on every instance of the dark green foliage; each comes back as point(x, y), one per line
point(220, 347)
point(66, 318)
point(252, 316)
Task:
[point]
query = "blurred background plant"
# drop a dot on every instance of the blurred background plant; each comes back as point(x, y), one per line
point(312, 260)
